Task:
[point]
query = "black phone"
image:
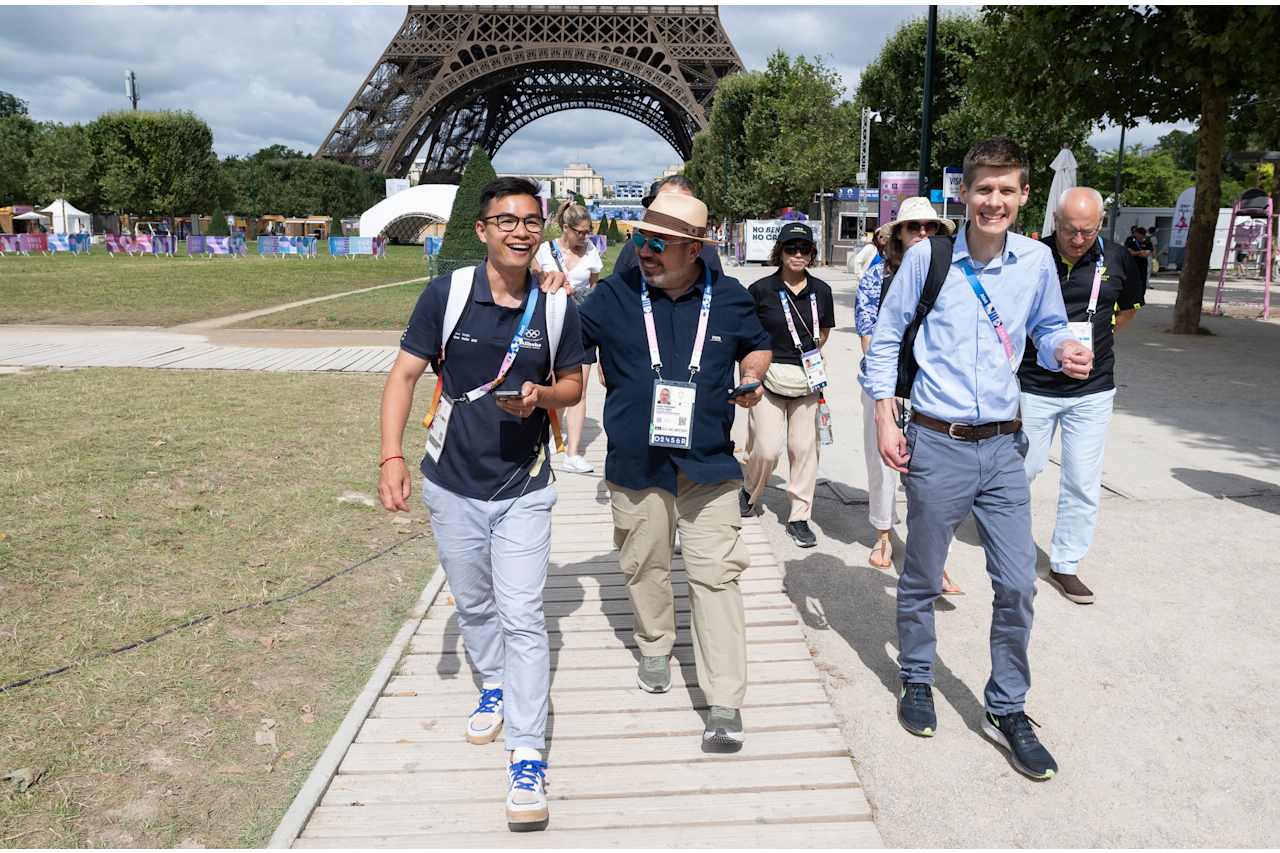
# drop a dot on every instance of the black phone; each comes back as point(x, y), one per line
point(744, 388)
point(508, 394)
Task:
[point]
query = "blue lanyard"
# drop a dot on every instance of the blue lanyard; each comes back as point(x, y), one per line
point(513, 349)
point(646, 305)
point(555, 254)
point(989, 309)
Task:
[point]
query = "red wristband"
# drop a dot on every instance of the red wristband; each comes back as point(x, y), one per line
point(388, 459)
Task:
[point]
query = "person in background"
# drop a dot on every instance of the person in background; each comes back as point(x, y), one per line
point(628, 259)
point(916, 221)
point(1141, 250)
point(798, 311)
point(575, 256)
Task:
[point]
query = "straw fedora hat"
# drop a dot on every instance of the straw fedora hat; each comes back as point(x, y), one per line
point(676, 215)
point(918, 209)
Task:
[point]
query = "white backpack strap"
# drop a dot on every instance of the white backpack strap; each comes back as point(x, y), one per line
point(459, 293)
point(557, 305)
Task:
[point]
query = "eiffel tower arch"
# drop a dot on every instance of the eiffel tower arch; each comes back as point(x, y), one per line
point(455, 77)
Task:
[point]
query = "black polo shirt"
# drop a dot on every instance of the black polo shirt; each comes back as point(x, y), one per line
point(613, 320)
point(769, 309)
point(488, 452)
point(629, 260)
point(1122, 288)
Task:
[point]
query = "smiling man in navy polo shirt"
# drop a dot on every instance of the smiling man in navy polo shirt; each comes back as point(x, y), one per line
point(670, 332)
point(486, 477)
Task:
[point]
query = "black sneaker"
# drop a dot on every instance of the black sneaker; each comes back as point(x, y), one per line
point(723, 732)
point(1014, 732)
point(745, 509)
point(915, 709)
point(1072, 588)
point(801, 534)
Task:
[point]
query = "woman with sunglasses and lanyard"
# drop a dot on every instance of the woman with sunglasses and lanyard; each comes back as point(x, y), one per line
point(574, 255)
point(797, 311)
point(916, 221)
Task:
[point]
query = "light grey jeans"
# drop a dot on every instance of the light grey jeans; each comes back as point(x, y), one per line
point(946, 480)
point(495, 555)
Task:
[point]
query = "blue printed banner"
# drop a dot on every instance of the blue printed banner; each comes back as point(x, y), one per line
point(198, 244)
point(75, 243)
point(351, 246)
point(301, 246)
point(431, 245)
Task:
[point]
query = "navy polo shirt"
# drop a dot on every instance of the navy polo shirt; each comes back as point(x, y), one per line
point(488, 452)
point(613, 320)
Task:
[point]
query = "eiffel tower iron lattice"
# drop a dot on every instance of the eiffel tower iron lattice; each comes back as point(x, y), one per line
point(455, 77)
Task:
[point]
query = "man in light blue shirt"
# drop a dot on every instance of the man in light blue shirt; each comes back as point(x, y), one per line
point(962, 451)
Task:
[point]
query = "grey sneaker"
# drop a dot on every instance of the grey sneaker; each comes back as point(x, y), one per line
point(724, 730)
point(654, 674)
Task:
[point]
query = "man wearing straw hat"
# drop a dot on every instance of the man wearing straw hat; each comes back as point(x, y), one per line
point(670, 332)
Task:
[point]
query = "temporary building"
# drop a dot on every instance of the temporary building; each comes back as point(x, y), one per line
point(67, 219)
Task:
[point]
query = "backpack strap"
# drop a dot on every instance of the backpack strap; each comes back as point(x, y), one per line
point(557, 305)
point(460, 284)
point(940, 248)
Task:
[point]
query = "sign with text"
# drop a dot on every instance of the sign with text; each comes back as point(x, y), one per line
point(857, 194)
point(894, 187)
point(760, 235)
point(1182, 218)
point(951, 180)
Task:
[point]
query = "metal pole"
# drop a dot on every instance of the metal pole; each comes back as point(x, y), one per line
point(1115, 200)
point(864, 155)
point(926, 112)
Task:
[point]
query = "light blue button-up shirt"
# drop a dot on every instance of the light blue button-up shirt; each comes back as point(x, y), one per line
point(964, 376)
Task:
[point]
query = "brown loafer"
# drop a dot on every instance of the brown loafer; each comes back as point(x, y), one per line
point(1072, 587)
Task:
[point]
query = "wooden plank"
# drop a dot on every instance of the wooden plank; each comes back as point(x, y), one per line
point(433, 683)
point(197, 357)
point(614, 657)
point(444, 727)
point(593, 589)
point(438, 642)
point(561, 609)
point(315, 358)
point(861, 834)
point(631, 812)
point(619, 622)
point(758, 696)
point(606, 565)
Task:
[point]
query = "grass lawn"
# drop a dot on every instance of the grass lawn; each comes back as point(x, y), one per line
point(99, 289)
point(131, 501)
point(381, 309)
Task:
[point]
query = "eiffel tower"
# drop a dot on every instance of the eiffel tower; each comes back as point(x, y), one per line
point(455, 77)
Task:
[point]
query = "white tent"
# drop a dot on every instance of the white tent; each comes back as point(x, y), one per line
point(432, 201)
point(1064, 178)
point(67, 219)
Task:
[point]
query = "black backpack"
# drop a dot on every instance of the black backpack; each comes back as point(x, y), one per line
point(939, 266)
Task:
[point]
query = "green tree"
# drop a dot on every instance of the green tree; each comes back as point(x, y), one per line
point(721, 164)
point(1158, 63)
point(615, 233)
point(17, 139)
point(218, 223)
point(602, 227)
point(62, 166)
point(335, 226)
point(461, 247)
point(11, 105)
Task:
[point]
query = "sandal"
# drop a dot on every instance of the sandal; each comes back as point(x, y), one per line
point(949, 586)
point(883, 548)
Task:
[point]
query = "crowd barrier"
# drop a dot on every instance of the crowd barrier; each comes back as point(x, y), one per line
point(23, 244)
point(431, 245)
point(77, 244)
point(599, 241)
point(352, 246)
point(143, 244)
point(301, 246)
point(199, 244)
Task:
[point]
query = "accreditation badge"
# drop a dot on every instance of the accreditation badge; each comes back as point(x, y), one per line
point(1083, 333)
point(814, 371)
point(671, 424)
point(439, 429)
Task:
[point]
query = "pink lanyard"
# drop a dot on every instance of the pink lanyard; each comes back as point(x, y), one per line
point(1097, 284)
point(791, 324)
point(655, 358)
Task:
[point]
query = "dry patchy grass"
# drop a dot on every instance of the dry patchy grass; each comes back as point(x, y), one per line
point(134, 500)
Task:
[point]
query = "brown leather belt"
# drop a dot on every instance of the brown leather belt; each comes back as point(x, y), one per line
point(967, 432)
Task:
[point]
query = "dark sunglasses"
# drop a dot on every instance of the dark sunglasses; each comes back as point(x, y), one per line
point(926, 227)
point(797, 248)
point(657, 245)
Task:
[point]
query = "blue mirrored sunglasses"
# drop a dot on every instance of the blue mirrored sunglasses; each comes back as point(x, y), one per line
point(657, 245)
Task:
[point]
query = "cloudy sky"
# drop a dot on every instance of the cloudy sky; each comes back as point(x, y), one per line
point(269, 74)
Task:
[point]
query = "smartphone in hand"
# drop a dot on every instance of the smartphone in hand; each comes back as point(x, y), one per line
point(744, 388)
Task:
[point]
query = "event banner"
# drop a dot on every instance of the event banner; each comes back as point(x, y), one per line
point(1182, 218)
point(352, 246)
point(300, 246)
point(894, 187)
point(431, 245)
point(24, 244)
point(600, 241)
point(75, 243)
point(198, 244)
point(759, 235)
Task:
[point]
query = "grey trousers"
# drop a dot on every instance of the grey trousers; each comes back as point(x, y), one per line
point(495, 555)
point(946, 480)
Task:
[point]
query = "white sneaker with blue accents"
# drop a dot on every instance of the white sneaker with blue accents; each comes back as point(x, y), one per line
point(526, 791)
point(486, 720)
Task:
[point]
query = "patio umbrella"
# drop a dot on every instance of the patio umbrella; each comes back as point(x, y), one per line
point(1064, 178)
point(31, 216)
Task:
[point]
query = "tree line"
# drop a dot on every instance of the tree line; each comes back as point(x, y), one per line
point(163, 163)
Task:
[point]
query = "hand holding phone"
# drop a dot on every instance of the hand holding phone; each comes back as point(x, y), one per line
point(744, 388)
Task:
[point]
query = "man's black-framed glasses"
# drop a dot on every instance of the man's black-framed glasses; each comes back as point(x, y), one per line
point(508, 222)
point(1080, 233)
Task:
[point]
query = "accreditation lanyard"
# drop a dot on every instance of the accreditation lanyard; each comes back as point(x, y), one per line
point(655, 357)
point(791, 323)
point(512, 350)
point(992, 314)
point(555, 255)
point(1097, 283)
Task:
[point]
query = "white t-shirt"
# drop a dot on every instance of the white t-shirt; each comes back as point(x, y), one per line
point(580, 275)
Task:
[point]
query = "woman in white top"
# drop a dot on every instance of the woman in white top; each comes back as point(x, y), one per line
point(574, 255)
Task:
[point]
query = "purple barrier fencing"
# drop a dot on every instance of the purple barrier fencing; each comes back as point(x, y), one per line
point(200, 244)
point(77, 244)
point(352, 246)
point(23, 244)
point(301, 246)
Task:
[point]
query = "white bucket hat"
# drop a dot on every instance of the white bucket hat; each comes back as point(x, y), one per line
point(918, 209)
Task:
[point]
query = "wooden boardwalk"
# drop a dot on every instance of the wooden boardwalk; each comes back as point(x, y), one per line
point(198, 357)
point(626, 768)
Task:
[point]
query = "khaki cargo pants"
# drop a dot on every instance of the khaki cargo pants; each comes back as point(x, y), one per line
point(644, 525)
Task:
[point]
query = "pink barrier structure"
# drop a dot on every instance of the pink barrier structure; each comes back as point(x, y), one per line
point(1252, 204)
point(210, 246)
point(143, 244)
point(76, 244)
point(23, 244)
